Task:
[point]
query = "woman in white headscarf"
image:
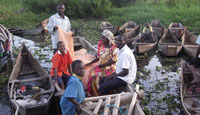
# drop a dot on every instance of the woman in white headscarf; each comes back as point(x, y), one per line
point(104, 64)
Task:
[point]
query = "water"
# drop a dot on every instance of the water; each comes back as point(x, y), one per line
point(158, 76)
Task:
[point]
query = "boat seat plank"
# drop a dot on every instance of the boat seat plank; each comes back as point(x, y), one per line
point(32, 79)
point(26, 73)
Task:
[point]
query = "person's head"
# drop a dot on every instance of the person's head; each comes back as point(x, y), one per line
point(60, 9)
point(107, 37)
point(78, 68)
point(61, 47)
point(120, 41)
point(147, 25)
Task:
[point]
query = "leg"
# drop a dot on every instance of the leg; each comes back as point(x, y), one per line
point(65, 78)
point(110, 85)
point(60, 82)
point(192, 68)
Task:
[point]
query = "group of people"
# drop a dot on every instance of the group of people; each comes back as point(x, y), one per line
point(114, 66)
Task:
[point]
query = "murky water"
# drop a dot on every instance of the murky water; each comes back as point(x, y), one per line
point(157, 75)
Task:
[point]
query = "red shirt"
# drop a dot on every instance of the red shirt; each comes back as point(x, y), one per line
point(61, 63)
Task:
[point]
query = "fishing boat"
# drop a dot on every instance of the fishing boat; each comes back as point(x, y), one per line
point(189, 93)
point(141, 46)
point(128, 26)
point(30, 88)
point(177, 29)
point(190, 46)
point(169, 45)
point(5, 46)
point(158, 28)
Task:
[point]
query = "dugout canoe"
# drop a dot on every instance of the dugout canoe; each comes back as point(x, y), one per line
point(27, 82)
point(158, 28)
point(169, 45)
point(141, 46)
point(190, 46)
point(190, 102)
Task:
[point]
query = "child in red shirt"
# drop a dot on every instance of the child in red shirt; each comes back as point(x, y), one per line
point(61, 65)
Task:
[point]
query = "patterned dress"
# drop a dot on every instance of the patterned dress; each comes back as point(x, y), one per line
point(104, 55)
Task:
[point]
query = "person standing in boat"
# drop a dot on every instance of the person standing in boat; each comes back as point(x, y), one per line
point(125, 70)
point(74, 93)
point(104, 64)
point(61, 65)
point(58, 19)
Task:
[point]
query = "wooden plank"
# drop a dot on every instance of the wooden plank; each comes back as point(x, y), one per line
point(96, 110)
point(26, 73)
point(133, 101)
point(103, 97)
point(106, 109)
point(32, 79)
point(117, 104)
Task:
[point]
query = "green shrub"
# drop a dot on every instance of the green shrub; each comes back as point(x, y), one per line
point(74, 8)
point(120, 3)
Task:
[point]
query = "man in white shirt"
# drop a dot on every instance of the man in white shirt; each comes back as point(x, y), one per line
point(125, 70)
point(58, 19)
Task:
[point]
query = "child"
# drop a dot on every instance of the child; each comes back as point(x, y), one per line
point(61, 62)
point(74, 93)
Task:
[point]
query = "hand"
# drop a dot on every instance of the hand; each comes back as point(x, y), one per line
point(55, 28)
point(78, 108)
point(100, 66)
point(87, 64)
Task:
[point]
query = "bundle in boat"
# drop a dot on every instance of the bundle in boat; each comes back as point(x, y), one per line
point(158, 28)
point(125, 102)
point(169, 45)
point(30, 88)
point(128, 26)
point(177, 29)
point(190, 95)
point(142, 45)
point(190, 46)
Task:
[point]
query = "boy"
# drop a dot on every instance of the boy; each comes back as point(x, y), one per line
point(61, 65)
point(74, 93)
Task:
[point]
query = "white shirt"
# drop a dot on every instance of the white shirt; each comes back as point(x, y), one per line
point(56, 20)
point(126, 60)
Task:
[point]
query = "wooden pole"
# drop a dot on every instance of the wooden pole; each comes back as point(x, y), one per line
point(133, 101)
point(117, 104)
point(103, 97)
point(96, 110)
point(106, 109)
point(124, 100)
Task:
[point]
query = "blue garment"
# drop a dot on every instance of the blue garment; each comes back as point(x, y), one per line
point(74, 90)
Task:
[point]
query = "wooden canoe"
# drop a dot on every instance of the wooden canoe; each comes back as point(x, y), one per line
point(125, 103)
point(177, 29)
point(141, 46)
point(158, 28)
point(27, 72)
point(190, 102)
point(190, 46)
point(169, 45)
point(128, 26)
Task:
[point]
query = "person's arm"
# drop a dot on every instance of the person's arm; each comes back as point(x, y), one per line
point(55, 75)
point(123, 73)
point(93, 61)
point(51, 25)
point(70, 69)
point(110, 62)
point(78, 106)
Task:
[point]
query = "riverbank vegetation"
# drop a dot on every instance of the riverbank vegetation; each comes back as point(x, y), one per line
point(26, 14)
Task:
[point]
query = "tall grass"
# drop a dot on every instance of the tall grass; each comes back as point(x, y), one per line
point(167, 11)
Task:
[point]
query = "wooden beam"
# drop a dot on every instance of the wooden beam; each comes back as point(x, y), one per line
point(96, 110)
point(117, 104)
point(133, 101)
point(103, 97)
point(106, 109)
